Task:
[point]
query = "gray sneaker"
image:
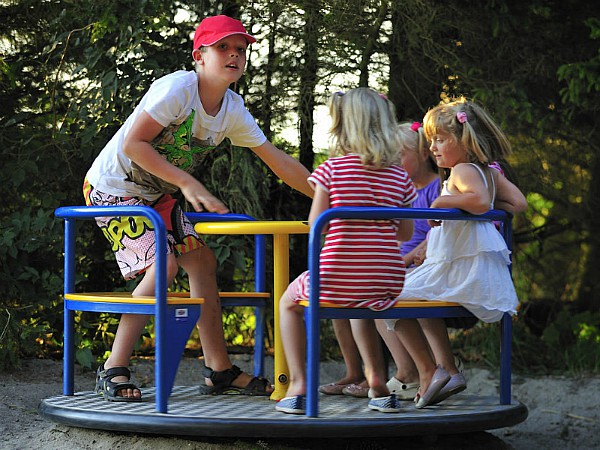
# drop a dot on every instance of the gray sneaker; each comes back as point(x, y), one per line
point(387, 404)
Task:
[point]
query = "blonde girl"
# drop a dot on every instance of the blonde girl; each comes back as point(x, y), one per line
point(466, 260)
point(418, 162)
point(361, 263)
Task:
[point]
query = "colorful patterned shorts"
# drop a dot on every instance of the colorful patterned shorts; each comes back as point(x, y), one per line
point(132, 238)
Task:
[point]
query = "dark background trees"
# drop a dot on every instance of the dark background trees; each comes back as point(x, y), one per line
point(70, 72)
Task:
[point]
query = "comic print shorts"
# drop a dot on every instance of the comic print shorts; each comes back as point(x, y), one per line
point(132, 238)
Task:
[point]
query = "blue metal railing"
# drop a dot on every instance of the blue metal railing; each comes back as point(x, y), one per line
point(70, 214)
point(259, 280)
point(313, 313)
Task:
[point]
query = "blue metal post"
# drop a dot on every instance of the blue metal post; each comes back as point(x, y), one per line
point(506, 330)
point(312, 316)
point(160, 319)
point(69, 286)
point(259, 312)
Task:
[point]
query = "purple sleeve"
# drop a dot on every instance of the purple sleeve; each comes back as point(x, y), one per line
point(426, 197)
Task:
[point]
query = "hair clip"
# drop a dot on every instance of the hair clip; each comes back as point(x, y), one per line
point(461, 116)
point(383, 96)
point(415, 126)
point(340, 93)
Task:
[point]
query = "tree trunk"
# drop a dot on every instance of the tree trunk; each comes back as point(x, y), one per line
point(589, 291)
point(371, 45)
point(308, 81)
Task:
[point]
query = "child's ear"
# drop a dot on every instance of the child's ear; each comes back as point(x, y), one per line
point(197, 55)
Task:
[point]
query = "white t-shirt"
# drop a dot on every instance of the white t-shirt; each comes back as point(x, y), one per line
point(174, 102)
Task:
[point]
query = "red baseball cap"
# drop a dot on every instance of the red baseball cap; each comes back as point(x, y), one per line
point(214, 28)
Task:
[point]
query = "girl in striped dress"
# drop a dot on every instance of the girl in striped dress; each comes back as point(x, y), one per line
point(360, 263)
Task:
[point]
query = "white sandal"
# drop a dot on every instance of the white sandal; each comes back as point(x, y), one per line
point(403, 391)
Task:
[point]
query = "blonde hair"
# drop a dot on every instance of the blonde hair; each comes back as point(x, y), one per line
point(476, 131)
point(413, 138)
point(364, 123)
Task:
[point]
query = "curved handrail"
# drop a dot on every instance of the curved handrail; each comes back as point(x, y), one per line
point(374, 213)
point(259, 241)
point(91, 212)
point(70, 214)
point(260, 281)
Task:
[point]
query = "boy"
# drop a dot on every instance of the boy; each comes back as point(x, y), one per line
point(152, 156)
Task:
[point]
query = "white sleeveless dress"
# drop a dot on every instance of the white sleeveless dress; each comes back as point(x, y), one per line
point(466, 263)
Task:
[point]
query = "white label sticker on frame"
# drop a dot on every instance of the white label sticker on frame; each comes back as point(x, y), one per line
point(181, 313)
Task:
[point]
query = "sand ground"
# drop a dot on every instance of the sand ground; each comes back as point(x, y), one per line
point(563, 414)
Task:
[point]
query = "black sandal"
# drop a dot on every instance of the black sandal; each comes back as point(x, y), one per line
point(222, 383)
point(109, 389)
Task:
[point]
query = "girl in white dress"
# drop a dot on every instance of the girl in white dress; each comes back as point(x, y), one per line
point(466, 260)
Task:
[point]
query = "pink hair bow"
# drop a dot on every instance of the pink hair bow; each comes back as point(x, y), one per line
point(415, 126)
point(461, 116)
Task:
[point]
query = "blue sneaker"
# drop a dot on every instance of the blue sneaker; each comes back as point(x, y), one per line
point(292, 405)
point(389, 404)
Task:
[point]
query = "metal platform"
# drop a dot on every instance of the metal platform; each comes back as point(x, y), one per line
point(191, 414)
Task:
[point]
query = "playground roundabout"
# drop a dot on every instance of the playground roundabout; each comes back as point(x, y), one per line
point(562, 413)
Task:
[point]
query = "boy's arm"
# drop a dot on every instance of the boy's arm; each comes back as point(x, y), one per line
point(288, 169)
point(137, 147)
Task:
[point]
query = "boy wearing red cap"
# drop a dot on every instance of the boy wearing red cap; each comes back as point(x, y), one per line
point(152, 156)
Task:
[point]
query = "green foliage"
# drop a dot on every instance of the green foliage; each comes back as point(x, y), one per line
point(578, 338)
point(582, 77)
point(29, 265)
point(239, 325)
point(569, 343)
point(71, 72)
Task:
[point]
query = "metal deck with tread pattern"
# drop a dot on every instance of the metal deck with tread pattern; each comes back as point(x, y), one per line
point(191, 414)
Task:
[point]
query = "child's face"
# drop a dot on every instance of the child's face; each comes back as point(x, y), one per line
point(225, 59)
point(411, 161)
point(447, 152)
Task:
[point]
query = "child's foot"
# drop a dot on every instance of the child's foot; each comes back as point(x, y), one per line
point(114, 385)
point(292, 405)
point(388, 404)
point(403, 391)
point(456, 384)
point(234, 381)
point(426, 396)
point(295, 402)
point(359, 390)
point(337, 387)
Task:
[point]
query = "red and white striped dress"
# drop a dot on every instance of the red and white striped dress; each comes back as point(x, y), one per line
point(361, 263)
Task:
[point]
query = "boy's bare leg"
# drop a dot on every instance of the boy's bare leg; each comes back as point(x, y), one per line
point(131, 327)
point(129, 330)
point(201, 266)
